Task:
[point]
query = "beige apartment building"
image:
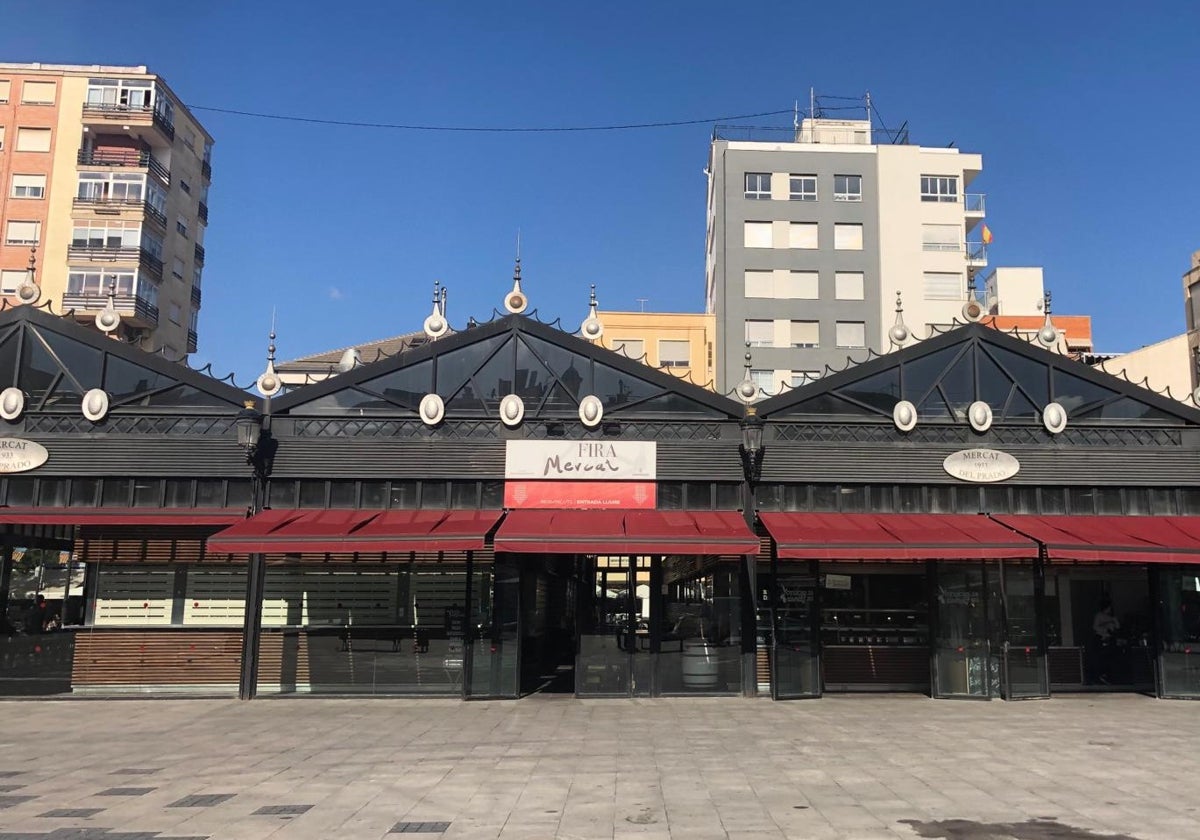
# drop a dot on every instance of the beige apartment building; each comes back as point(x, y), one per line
point(106, 174)
point(681, 343)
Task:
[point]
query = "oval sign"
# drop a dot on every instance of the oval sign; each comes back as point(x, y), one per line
point(981, 465)
point(18, 455)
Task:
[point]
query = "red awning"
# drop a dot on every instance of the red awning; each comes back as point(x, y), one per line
point(348, 531)
point(626, 532)
point(120, 516)
point(894, 536)
point(1122, 539)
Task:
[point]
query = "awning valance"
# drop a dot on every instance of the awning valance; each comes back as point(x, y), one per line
point(120, 516)
point(1127, 539)
point(349, 531)
point(703, 532)
point(894, 536)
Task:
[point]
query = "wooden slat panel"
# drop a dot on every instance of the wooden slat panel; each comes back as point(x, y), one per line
point(875, 665)
point(1065, 666)
point(283, 660)
point(762, 664)
point(156, 657)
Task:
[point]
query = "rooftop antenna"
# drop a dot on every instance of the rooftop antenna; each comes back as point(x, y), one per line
point(868, 101)
point(812, 102)
point(795, 115)
point(642, 301)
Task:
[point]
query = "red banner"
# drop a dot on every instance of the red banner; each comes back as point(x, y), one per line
point(583, 495)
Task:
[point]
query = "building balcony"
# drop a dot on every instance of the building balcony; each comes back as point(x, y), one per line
point(106, 206)
point(196, 297)
point(199, 254)
point(128, 117)
point(976, 254)
point(117, 254)
point(135, 310)
point(206, 170)
point(202, 212)
point(974, 204)
point(191, 341)
point(125, 157)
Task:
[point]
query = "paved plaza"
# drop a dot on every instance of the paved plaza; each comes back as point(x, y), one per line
point(555, 767)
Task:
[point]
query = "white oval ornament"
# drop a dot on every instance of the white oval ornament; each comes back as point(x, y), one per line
point(12, 403)
point(904, 415)
point(436, 326)
point(269, 384)
point(95, 405)
point(20, 455)
point(432, 409)
point(747, 391)
point(512, 410)
point(898, 334)
point(108, 320)
point(591, 328)
point(28, 292)
point(516, 302)
point(981, 466)
point(1054, 418)
point(980, 416)
point(591, 411)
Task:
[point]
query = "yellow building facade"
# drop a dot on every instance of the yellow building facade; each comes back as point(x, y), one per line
point(680, 343)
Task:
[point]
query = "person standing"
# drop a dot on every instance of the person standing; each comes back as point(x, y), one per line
point(35, 616)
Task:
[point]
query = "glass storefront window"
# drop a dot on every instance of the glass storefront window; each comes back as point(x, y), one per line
point(84, 491)
point(464, 495)
point(433, 494)
point(116, 492)
point(20, 492)
point(238, 493)
point(374, 494)
point(343, 494)
point(178, 493)
point(52, 492)
point(1053, 500)
point(701, 642)
point(210, 492)
point(147, 492)
point(312, 494)
point(403, 495)
point(282, 493)
point(1179, 616)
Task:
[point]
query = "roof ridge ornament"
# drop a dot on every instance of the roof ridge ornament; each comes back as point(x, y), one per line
point(435, 325)
point(515, 301)
point(899, 333)
point(748, 390)
point(269, 384)
point(108, 318)
point(592, 328)
point(1047, 336)
point(29, 291)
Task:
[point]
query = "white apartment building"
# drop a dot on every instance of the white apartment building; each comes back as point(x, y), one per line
point(810, 237)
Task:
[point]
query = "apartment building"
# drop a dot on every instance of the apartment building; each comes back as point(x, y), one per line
point(811, 235)
point(681, 343)
point(106, 174)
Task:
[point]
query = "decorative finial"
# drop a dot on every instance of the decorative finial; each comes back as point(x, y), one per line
point(516, 302)
point(29, 291)
point(1047, 336)
point(435, 325)
point(269, 383)
point(591, 328)
point(108, 318)
point(747, 390)
point(899, 331)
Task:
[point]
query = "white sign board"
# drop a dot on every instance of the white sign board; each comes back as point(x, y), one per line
point(981, 465)
point(581, 460)
point(17, 455)
point(837, 582)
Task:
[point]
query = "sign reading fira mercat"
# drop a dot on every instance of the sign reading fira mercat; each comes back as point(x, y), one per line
point(579, 460)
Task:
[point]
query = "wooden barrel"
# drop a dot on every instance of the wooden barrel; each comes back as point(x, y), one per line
point(699, 665)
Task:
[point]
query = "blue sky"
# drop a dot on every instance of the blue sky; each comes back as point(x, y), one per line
point(1086, 115)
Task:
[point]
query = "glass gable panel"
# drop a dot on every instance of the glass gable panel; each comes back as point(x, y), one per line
point(995, 387)
point(80, 361)
point(406, 386)
point(921, 374)
point(935, 407)
point(64, 394)
point(457, 366)
point(1019, 407)
point(123, 379)
point(615, 388)
point(958, 383)
point(674, 404)
point(533, 379)
point(1127, 408)
point(496, 379)
point(183, 395)
point(881, 390)
point(8, 359)
point(1075, 393)
point(570, 368)
point(831, 404)
point(558, 400)
point(1030, 375)
point(38, 370)
point(350, 399)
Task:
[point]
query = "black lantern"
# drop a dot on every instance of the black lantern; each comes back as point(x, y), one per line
point(249, 429)
point(751, 449)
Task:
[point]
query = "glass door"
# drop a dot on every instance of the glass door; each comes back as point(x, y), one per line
point(608, 637)
point(795, 649)
point(1178, 591)
point(1019, 617)
point(962, 650)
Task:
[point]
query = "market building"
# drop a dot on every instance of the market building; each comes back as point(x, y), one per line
point(513, 508)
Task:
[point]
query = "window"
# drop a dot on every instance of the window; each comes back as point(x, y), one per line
point(106, 235)
point(847, 237)
point(798, 285)
point(120, 93)
point(197, 272)
point(38, 93)
point(181, 225)
point(848, 285)
point(189, 139)
point(674, 353)
point(33, 139)
point(96, 281)
point(764, 379)
point(939, 188)
point(194, 319)
point(5, 89)
point(23, 233)
point(631, 347)
point(803, 377)
point(944, 285)
point(111, 186)
point(11, 279)
point(847, 188)
point(761, 284)
point(802, 188)
point(805, 334)
point(802, 235)
point(156, 198)
point(760, 333)
point(29, 186)
point(175, 315)
point(177, 267)
point(185, 186)
point(758, 185)
point(757, 235)
point(152, 245)
point(941, 237)
point(851, 334)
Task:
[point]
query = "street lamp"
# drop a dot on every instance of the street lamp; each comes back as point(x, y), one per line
point(751, 447)
point(249, 424)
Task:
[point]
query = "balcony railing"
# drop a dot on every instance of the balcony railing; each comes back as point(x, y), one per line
point(948, 247)
point(199, 254)
point(107, 111)
point(129, 305)
point(124, 157)
point(206, 170)
point(202, 212)
point(196, 297)
point(117, 253)
point(192, 341)
point(114, 205)
point(973, 203)
point(976, 253)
